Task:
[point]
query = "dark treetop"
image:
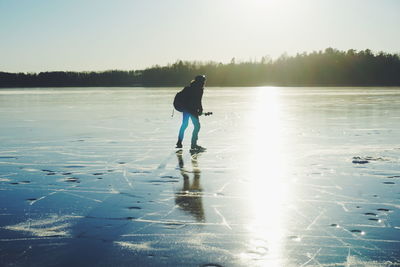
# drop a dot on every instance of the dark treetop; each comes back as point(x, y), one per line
point(323, 68)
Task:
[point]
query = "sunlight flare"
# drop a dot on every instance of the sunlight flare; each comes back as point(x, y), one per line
point(268, 191)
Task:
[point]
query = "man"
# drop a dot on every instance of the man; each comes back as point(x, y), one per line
point(190, 99)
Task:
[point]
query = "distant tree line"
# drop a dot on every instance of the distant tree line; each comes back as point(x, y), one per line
point(330, 67)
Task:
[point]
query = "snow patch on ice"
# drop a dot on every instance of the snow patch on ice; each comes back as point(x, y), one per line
point(51, 226)
point(355, 261)
point(136, 246)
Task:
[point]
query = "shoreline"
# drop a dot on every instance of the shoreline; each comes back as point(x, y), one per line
point(208, 86)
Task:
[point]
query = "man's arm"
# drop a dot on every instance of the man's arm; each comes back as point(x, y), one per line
point(200, 104)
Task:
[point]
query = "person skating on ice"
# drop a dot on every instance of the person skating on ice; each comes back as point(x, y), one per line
point(191, 107)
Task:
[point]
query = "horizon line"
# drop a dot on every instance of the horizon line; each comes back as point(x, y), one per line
point(237, 61)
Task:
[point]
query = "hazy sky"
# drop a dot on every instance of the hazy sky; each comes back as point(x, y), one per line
point(47, 35)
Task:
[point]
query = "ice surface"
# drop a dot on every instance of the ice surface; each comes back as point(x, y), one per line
point(291, 177)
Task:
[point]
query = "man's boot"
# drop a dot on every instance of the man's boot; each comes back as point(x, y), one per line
point(179, 144)
point(196, 147)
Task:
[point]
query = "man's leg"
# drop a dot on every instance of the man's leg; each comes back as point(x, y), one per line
point(196, 129)
point(185, 122)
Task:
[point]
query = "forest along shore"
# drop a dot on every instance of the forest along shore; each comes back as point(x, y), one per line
point(330, 67)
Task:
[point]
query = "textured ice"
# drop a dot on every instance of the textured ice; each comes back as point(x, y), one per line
point(291, 177)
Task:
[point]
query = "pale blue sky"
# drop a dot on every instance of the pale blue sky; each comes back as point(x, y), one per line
point(48, 35)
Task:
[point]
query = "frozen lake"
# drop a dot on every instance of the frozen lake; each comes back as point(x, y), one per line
point(291, 177)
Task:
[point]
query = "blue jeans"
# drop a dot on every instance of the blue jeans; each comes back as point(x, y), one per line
point(185, 121)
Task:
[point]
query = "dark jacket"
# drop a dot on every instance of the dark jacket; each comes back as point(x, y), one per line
point(192, 96)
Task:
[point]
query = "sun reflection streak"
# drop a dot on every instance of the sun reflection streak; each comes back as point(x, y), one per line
point(267, 191)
